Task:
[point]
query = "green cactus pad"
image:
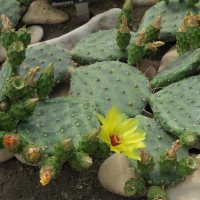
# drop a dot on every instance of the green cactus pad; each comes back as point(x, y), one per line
point(6, 122)
point(102, 150)
point(11, 9)
point(156, 192)
point(43, 54)
point(182, 44)
point(176, 106)
point(24, 36)
point(101, 46)
point(172, 16)
point(181, 67)
point(157, 140)
point(112, 83)
point(57, 119)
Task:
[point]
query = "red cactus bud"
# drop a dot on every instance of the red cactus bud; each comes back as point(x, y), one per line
point(11, 142)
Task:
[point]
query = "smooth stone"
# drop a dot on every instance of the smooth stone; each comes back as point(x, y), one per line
point(114, 172)
point(170, 56)
point(104, 21)
point(41, 12)
point(23, 9)
point(5, 155)
point(3, 53)
point(37, 33)
point(186, 190)
point(144, 2)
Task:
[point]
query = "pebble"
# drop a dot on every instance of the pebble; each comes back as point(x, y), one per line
point(41, 12)
point(5, 155)
point(37, 33)
point(144, 2)
point(3, 53)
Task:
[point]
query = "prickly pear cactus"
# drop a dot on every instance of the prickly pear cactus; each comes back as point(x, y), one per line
point(101, 46)
point(112, 83)
point(11, 9)
point(157, 140)
point(172, 16)
point(58, 119)
point(181, 67)
point(43, 54)
point(176, 106)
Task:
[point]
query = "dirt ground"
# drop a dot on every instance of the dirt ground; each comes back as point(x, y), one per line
point(19, 181)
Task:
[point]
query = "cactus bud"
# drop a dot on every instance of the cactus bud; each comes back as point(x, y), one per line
point(4, 106)
point(46, 174)
point(127, 6)
point(11, 142)
point(31, 74)
point(6, 23)
point(30, 104)
point(67, 145)
point(86, 161)
point(140, 40)
point(188, 140)
point(92, 135)
point(49, 71)
point(172, 151)
point(157, 23)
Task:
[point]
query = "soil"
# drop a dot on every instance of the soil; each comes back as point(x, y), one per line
point(19, 181)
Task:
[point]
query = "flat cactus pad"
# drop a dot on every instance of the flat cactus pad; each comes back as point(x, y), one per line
point(157, 141)
point(42, 55)
point(101, 46)
point(172, 16)
point(112, 83)
point(176, 107)
point(57, 119)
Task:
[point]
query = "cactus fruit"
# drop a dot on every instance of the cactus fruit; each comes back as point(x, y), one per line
point(16, 54)
point(181, 67)
point(169, 158)
point(89, 142)
point(123, 35)
point(186, 166)
point(14, 143)
point(4, 107)
point(127, 12)
point(32, 154)
point(146, 165)
point(111, 83)
point(80, 161)
point(49, 170)
point(152, 31)
point(100, 46)
point(156, 193)
point(183, 45)
point(136, 50)
point(43, 54)
point(8, 34)
point(172, 16)
point(188, 140)
point(22, 109)
point(24, 36)
point(134, 187)
point(64, 149)
point(45, 82)
point(193, 31)
point(6, 122)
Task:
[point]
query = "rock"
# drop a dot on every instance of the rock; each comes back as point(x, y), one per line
point(144, 2)
point(188, 189)
point(146, 67)
point(5, 155)
point(170, 56)
point(3, 53)
point(114, 172)
point(20, 158)
point(41, 12)
point(37, 33)
point(23, 9)
point(103, 21)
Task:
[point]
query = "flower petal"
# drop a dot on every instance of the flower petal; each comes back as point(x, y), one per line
point(134, 138)
point(133, 154)
point(112, 148)
point(101, 118)
point(104, 136)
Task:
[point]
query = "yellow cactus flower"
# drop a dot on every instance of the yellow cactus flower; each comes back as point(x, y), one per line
point(121, 133)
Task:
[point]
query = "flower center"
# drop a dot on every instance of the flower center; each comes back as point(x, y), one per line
point(115, 140)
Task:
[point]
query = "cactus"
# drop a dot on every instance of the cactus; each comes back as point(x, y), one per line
point(24, 36)
point(181, 67)
point(100, 46)
point(134, 187)
point(188, 140)
point(6, 122)
point(192, 2)
point(102, 150)
point(174, 106)
point(172, 16)
point(156, 193)
point(45, 82)
point(104, 83)
point(26, 1)
point(157, 140)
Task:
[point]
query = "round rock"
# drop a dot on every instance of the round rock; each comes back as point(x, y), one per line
point(3, 53)
point(114, 172)
point(5, 155)
point(144, 2)
point(37, 33)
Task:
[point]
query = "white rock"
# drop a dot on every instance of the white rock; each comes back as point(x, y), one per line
point(37, 33)
point(5, 155)
point(144, 2)
point(170, 56)
point(114, 172)
point(3, 53)
point(189, 189)
point(103, 21)
point(41, 12)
